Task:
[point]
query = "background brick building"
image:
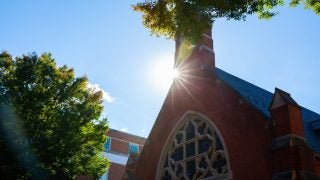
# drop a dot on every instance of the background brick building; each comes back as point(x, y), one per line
point(118, 147)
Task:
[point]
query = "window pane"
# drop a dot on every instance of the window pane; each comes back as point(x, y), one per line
point(201, 128)
point(179, 138)
point(177, 154)
point(191, 168)
point(219, 144)
point(204, 145)
point(203, 163)
point(190, 149)
point(133, 148)
point(190, 131)
point(219, 163)
point(107, 145)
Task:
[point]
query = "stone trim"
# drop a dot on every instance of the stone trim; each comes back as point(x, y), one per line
point(204, 47)
point(206, 35)
point(288, 140)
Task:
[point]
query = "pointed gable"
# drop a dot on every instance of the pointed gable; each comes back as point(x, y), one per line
point(281, 98)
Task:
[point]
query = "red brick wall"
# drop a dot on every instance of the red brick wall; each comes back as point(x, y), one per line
point(282, 124)
point(296, 120)
point(288, 120)
point(120, 141)
point(306, 157)
point(119, 146)
point(244, 130)
point(317, 164)
point(140, 148)
point(293, 158)
point(116, 171)
point(126, 136)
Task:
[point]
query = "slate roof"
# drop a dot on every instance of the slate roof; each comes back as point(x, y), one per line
point(260, 99)
point(315, 125)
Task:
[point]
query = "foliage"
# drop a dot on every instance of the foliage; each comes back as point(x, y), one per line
point(189, 18)
point(49, 121)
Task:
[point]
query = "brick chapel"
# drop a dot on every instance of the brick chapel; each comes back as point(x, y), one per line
point(213, 125)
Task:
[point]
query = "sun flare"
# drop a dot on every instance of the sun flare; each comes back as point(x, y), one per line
point(163, 73)
point(175, 73)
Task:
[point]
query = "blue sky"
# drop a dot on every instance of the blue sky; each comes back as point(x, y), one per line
point(105, 40)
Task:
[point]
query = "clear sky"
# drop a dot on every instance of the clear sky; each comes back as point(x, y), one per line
point(105, 40)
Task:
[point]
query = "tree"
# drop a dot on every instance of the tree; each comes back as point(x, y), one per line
point(189, 18)
point(50, 125)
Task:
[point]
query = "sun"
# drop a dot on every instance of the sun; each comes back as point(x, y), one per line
point(163, 73)
point(175, 73)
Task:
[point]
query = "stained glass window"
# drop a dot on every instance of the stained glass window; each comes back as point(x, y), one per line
point(195, 152)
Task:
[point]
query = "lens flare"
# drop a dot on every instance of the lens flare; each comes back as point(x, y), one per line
point(162, 73)
point(175, 73)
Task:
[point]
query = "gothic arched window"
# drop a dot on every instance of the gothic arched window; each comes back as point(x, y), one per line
point(195, 151)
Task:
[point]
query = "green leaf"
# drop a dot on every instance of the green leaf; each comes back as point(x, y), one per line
point(55, 117)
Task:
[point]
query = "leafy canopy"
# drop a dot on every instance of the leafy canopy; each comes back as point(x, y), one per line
point(189, 18)
point(49, 121)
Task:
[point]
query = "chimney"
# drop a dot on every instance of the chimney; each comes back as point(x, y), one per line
point(196, 56)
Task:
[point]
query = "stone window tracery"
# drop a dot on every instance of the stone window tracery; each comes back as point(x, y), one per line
point(194, 152)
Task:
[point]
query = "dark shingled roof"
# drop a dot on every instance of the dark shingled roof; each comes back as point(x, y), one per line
point(261, 99)
point(315, 125)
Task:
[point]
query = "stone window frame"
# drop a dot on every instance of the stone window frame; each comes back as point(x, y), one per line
point(189, 116)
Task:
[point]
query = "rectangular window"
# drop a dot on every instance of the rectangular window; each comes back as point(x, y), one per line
point(107, 145)
point(133, 148)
